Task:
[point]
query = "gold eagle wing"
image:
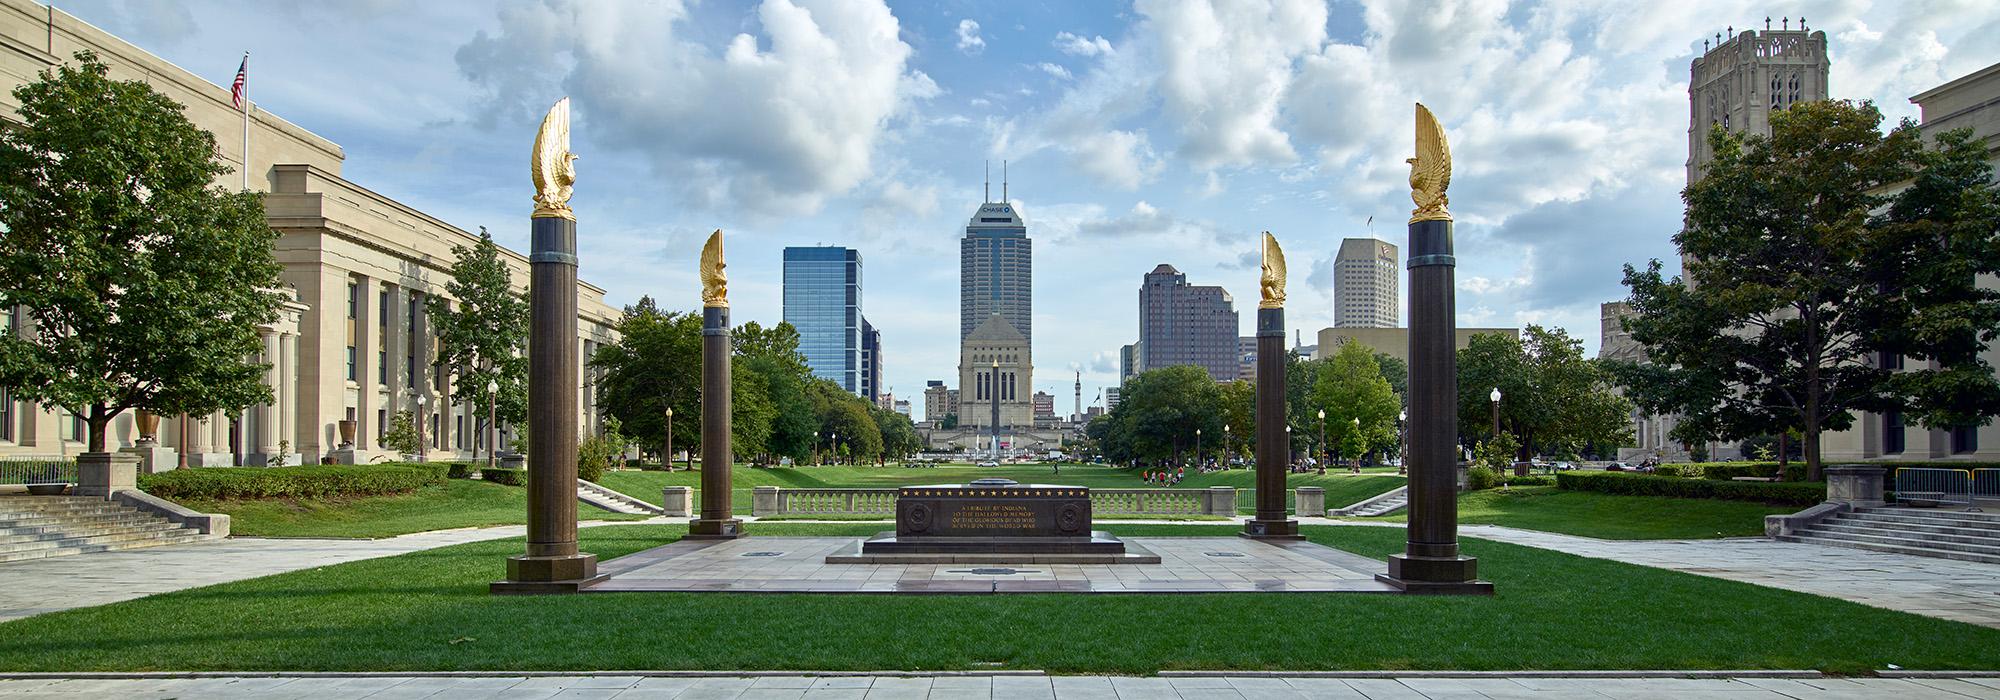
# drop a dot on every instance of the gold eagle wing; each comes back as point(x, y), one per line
point(714, 284)
point(1430, 171)
point(551, 167)
point(1271, 284)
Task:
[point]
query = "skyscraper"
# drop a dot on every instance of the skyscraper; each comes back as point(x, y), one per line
point(871, 361)
point(996, 270)
point(1364, 284)
point(1745, 76)
point(1185, 324)
point(823, 301)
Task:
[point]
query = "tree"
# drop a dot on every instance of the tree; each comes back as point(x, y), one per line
point(655, 365)
point(1360, 407)
point(402, 434)
point(1236, 402)
point(1807, 268)
point(949, 422)
point(1158, 414)
point(1553, 400)
point(484, 337)
point(144, 281)
point(899, 436)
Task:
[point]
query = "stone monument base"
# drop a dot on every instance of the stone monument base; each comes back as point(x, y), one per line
point(1098, 548)
point(527, 575)
point(705, 529)
point(1435, 575)
point(1271, 530)
point(153, 458)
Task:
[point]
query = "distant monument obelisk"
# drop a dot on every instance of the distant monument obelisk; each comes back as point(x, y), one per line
point(1431, 562)
point(1274, 448)
point(717, 521)
point(552, 563)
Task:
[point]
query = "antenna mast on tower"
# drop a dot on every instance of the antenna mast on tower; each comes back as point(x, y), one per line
point(989, 182)
point(1003, 180)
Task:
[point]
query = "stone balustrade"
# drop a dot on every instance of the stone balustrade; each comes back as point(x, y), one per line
point(772, 500)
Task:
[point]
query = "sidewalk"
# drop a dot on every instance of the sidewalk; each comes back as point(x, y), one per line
point(634, 687)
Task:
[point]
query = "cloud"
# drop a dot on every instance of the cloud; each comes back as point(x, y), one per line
point(1078, 46)
point(1225, 66)
point(773, 122)
point(970, 42)
point(1059, 72)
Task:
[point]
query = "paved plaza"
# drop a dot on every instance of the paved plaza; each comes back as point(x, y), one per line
point(1945, 588)
point(1187, 565)
point(633, 687)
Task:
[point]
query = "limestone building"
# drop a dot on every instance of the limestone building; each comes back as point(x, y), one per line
point(994, 369)
point(1364, 284)
point(354, 345)
point(1394, 342)
point(1742, 77)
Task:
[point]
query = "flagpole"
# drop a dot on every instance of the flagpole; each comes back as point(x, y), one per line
point(246, 122)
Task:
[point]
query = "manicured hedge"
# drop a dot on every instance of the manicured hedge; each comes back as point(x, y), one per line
point(458, 470)
point(309, 481)
point(1785, 493)
point(503, 475)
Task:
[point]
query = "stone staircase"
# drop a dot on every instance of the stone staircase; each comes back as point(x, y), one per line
point(614, 501)
point(1924, 532)
point(1380, 505)
point(38, 527)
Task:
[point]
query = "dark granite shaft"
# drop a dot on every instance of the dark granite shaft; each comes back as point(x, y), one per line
point(1274, 449)
point(716, 453)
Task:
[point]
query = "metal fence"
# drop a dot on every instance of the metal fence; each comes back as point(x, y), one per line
point(771, 500)
point(1936, 485)
point(1986, 484)
point(37, 470)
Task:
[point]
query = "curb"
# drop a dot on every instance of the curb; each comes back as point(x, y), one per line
point(168, 675)
point(1509, 674)
point(1938, 674)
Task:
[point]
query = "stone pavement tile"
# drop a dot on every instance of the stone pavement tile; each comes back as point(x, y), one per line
point(1144, 688)
point(1384, 689)
point(715, 689)
point(1953, 685)
point(587, 693)
point(1265, 689)
point(1084, 688)
point(968, 687)
point(1325, 689)
point(1442, 688)
point(892, 688)
point(843, 682)
point(526, 694)
point(1209, 694)
point(394, 692)
point(1200, 682)
point(755, 693)
point(1503, 688)
point(1988, 682)
point(839, 694)
point(664, 683)
point(800, 682)
point(1023, 688)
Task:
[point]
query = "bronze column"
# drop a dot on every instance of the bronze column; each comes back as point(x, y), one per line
point(552, 564)
point(1274, 448)
point(1431, 562)
point(717, 521)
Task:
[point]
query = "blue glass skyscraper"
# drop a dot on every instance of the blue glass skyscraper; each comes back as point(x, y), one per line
point(823, 301)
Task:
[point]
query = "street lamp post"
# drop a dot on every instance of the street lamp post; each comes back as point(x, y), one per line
point(833, 439)
point(492, 421)
point(1197, 449)
point(1495, 396)
point(668, 455)
point(1225, 445)
point(1357, 456)
point(1288, 447)
point(1402, 443)
point(421, 420)
point(1325, 451)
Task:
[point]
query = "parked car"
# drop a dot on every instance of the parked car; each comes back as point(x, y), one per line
point(989, 464)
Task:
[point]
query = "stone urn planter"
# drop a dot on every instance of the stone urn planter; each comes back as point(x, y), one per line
point(346, 434)
point(149, 427)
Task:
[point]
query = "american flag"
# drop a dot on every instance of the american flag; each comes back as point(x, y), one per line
point(236, 88)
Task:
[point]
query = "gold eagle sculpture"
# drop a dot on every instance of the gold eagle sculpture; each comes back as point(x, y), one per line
point(553, 167)
point(1430, 171)
point(1272, 282)
point(714, 284)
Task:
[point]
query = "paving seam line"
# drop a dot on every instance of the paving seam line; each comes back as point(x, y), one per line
point(169, 675)
point(1938, 674)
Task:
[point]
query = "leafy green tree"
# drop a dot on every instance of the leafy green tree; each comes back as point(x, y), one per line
point(402, 434)
point(144, 281)
point(655, 365)
point(1158, 414)
point(1360, 407)
point(1397, 372)
point(1553, 400)
point(484, 337)
point(1237, 401)
point(1807, 267)
point(949, 422)
point(750, 413)
point(899, 435)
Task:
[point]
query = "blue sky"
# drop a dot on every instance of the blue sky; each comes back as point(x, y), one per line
point(1137, 133)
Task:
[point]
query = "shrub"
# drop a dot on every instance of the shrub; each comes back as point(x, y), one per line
point(1480, 478)
point(503, 475)
point(1782, 493)
point(458, 470)
point(313, 481)
point(1530, 480)
point(1680, 470)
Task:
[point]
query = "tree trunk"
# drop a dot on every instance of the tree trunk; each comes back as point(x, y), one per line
point(100, 423)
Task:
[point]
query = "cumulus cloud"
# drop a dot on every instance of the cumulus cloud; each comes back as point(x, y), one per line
point(1056, 71)
point(1225, 66)
point(969, 41)
point(1078, 46)
point(773, 122)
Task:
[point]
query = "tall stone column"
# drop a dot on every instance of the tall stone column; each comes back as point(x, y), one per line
point(1274, 449)
point(1431, 562)
point(267, 413)
point(717, 521)
point(288, 395)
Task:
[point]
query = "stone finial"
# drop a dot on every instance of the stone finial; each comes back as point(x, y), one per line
point(1787, 23)
point(1802, 23)
point(1767, 23)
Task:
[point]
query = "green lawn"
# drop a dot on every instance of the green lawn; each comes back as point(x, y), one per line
point(1611, 517)
point(430, 611)
point(1341, 489)
point(457, 503)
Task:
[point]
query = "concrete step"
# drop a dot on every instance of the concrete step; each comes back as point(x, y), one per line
point(1897, 549)
point(613, 501)
point(1926, 516)
point(58, 518)
point(1904, 539)
point(66, 509)
point(112, 546)
point(41, 534)
point(83, 540)
point(1843, 521)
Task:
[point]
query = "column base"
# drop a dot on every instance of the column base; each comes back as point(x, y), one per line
point(1435, 575)
point(705, 529)
point(1271, 530)
point(154, 459)
point(101, 474)
point(528, 575)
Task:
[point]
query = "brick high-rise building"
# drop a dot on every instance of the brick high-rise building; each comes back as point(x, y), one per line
point(1185, 324)
point(1364, 284)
